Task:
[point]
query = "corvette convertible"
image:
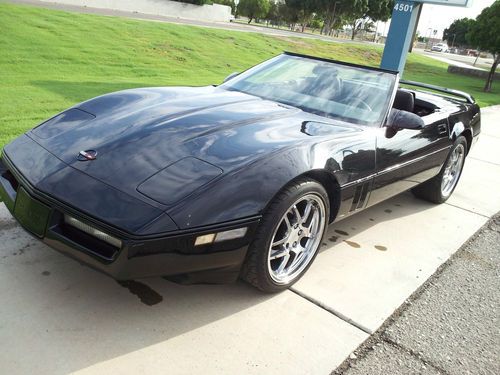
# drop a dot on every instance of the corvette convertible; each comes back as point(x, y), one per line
point(208, 184)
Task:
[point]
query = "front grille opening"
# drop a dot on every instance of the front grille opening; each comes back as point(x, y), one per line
point(92, 244)
point(12, 180)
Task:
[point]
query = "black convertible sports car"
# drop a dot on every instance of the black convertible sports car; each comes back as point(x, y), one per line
point(242, 179)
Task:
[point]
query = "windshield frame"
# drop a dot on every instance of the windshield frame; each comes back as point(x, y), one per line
point(385, 112)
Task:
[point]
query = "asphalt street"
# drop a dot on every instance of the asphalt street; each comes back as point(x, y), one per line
point(458, 60)
point(450, 325)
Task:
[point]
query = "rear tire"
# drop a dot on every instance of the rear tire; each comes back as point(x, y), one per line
point(288, 238)
point(439, 188)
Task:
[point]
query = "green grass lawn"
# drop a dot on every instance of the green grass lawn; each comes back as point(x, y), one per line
point(50, 60)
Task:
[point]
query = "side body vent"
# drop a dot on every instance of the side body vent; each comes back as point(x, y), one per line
point(360, 196)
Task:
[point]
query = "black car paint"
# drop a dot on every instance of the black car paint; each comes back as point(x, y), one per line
point(151, 129)
point(258, 146)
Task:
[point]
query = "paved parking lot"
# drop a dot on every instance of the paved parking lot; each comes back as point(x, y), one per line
point(57, 316)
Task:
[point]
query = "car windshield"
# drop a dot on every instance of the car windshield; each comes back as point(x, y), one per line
point(334, 90)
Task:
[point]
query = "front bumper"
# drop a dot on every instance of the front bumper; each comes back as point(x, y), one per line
point(138, 256)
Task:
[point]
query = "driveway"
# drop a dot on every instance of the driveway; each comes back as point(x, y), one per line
point(58, 316)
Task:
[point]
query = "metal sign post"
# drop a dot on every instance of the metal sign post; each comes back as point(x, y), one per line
point(402, 31)
point(403, 24)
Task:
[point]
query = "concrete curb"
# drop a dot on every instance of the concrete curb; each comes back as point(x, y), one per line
point(378, 335)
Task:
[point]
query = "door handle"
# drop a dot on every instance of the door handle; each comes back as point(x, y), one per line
point(442, 129)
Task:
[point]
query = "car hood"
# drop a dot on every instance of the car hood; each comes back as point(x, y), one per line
point(137, 133)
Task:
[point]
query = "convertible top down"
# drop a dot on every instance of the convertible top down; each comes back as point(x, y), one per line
point(240, 179)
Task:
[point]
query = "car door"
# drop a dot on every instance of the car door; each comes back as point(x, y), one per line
point(355, 166)
point(408, 157)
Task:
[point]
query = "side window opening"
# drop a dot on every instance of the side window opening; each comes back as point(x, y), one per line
point(407, 101)
point(423, 108)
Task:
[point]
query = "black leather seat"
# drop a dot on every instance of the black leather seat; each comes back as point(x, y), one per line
point(401, 115)
point(405, 101)
point(325, 84)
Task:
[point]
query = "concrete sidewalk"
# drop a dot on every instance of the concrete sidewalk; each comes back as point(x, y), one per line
point(450, 325)
point(59, 317)
point(379, 257)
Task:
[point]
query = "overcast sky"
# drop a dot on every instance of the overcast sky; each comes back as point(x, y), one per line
point(439, 17)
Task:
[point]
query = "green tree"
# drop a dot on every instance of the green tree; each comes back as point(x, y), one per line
point(485, 34)
point(288, 14)
point(359, 13)
point(353, 13)
point(455, 35)
point(374, 10)
point(304, 10)
point(315, 23)
point(273, 14)
point(253, 8)
point(331, 12)
point(379, 10)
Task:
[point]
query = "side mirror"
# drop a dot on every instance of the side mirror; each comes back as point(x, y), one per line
point(231, 76)
point(404, 120)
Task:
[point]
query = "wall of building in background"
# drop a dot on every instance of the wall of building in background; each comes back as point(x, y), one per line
point(215, 12)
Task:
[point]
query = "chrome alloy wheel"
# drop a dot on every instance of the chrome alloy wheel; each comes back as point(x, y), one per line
point(452, 170)
point(296, 238)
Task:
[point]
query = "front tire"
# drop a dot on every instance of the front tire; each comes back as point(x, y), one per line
point(439, 188)
point(288, 238)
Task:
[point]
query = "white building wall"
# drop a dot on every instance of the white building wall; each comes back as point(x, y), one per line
point(215, 12)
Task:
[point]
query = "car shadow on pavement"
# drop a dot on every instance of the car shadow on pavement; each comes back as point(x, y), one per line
point(383, 213)
point(77, 317)
point(74, 317)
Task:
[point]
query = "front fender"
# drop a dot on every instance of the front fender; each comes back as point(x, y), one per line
point(245, 192)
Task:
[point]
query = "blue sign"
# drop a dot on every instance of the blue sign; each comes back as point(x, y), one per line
point(403, 25)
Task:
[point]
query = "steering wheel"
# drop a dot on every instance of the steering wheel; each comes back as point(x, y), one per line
point(360, 103)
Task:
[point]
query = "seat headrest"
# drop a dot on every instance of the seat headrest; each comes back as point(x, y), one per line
point(320, 70)
point(405, 101)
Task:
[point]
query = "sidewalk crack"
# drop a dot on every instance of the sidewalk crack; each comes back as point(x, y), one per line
point(417, 356)
point(484, 161)
point(332, 311)
point(470, 211)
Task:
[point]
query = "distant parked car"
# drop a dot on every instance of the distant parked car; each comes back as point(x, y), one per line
point(440, 47)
